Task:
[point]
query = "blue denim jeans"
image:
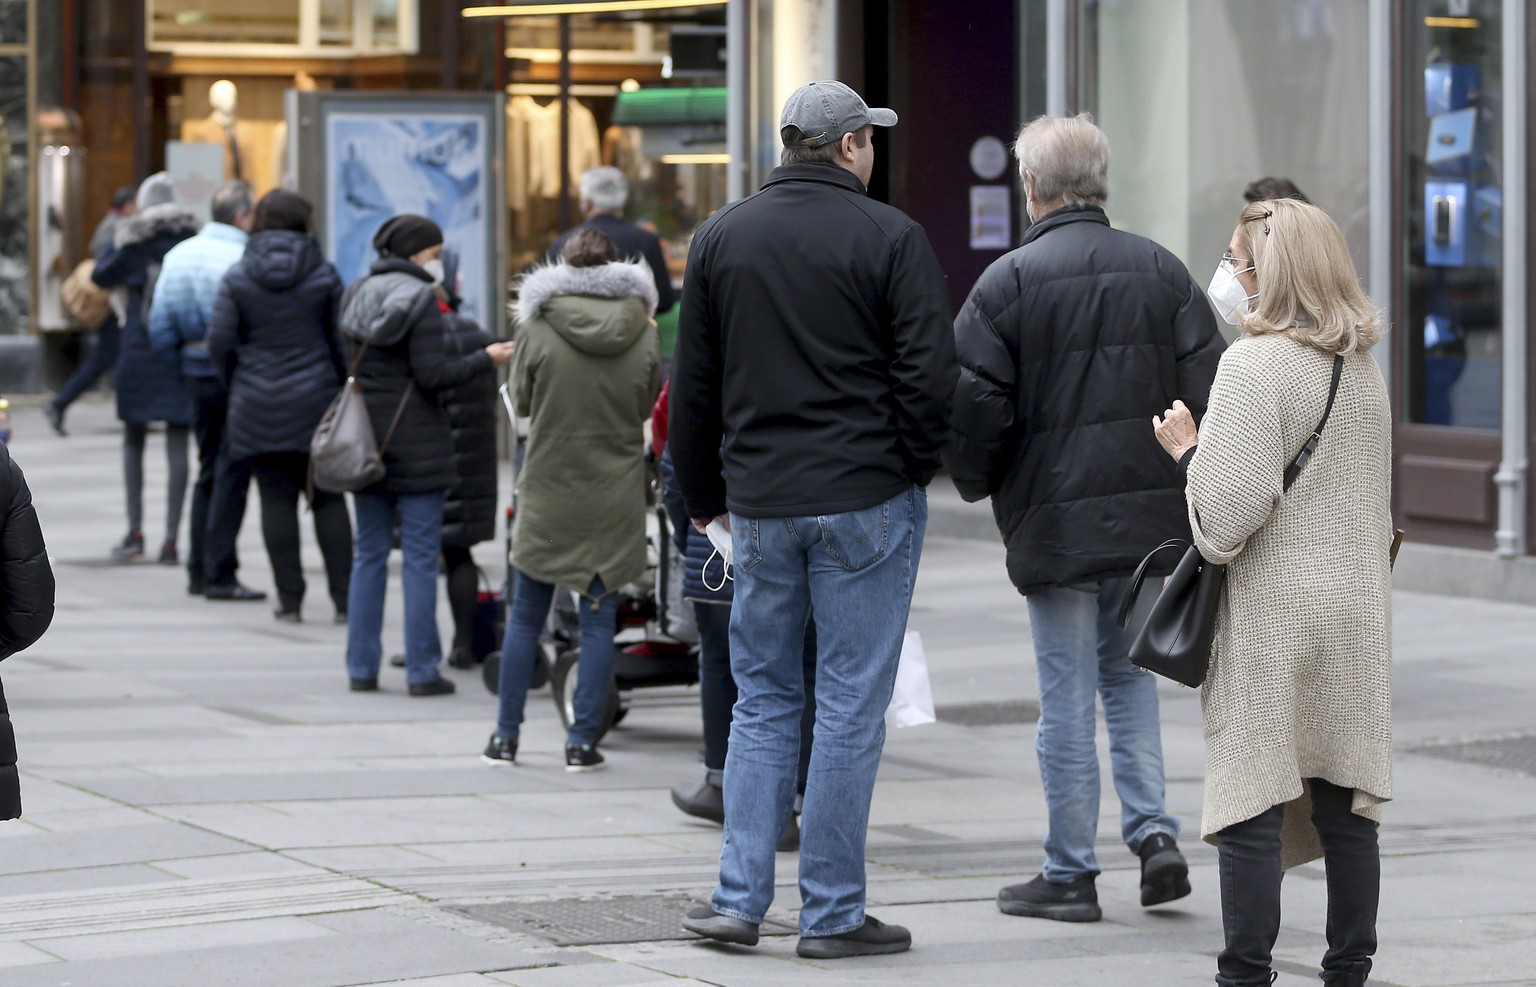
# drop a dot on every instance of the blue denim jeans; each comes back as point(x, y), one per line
point(1080, 653)
point(855, 571)
point(520, 648)
point(421, 533)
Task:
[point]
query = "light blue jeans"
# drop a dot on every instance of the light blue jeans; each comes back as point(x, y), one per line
point(531, 600)
point(421, 534)
point(1080, 653)
point(855, 571)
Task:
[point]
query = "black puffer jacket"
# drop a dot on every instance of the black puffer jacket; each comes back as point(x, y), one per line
point(1068, 346)
point(28, 609)
point(272, 339)
point(469, 514)
point(395, 310)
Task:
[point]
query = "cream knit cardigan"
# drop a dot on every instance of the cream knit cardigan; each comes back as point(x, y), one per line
point(1300, 682)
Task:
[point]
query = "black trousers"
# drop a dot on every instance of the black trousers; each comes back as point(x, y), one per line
point(214, 505)
point(463, 593)
point(717, 688)
point(1249, 855)
point(280, 479)
point(100, 360)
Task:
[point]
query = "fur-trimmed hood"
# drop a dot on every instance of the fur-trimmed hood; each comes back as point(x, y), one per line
point(141, 227)
point(622, 279)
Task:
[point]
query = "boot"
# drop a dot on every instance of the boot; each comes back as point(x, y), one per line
point(1352, 977)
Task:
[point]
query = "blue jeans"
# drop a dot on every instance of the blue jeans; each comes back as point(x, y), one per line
point(1080, 653)
point(519, 651)
point(421, 533)
point(855, 571)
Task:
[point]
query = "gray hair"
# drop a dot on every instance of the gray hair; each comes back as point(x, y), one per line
point(231, 201)
point(606, 188)
point(1069, 157)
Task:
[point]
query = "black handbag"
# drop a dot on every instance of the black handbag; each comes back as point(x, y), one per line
point(1176, 640)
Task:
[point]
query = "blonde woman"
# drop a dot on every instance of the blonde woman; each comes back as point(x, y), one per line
point(1297, 702)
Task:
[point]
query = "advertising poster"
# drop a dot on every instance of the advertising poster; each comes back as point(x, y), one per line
point(409, 163)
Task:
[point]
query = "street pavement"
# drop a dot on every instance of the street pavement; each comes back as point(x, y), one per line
point(207, 804)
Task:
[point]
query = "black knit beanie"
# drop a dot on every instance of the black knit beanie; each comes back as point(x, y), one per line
point(407, 235)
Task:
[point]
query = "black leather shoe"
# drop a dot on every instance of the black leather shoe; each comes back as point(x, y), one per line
point(1164, 872)
point(437, 687)
point(706, 802)
point(461, 658)
point(234, 593)
point(289, 616)
point(873, 938)
point(703, 920)
point(1073, 902)
point(363, 685)
point(55, 416)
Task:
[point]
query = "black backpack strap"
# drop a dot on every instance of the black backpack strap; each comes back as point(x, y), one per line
point(1310, 446)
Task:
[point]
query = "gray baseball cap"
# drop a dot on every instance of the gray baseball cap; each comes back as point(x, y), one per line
point(821, 112)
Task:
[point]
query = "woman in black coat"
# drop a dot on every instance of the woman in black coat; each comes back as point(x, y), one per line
point(273, 341)
point(28, 610)
point(148, 382)
point(469, 512)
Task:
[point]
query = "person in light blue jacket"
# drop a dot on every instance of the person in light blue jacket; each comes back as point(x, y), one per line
point(178, 323)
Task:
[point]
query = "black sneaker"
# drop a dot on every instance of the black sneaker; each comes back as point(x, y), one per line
point(703, 920)
point(873, 938)
point(436, 687)
point(499, 751)
point(168, 554)
point(706, 802)
point(1076, 901)
point(55, 416)
point(130, 548)
point(582, 757)
point(1164, 872)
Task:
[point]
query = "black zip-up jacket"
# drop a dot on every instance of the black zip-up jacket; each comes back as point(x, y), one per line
point(27, 607)
point(814, 353)
point(1068, 346)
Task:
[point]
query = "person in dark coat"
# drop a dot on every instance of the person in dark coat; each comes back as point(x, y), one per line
point(149, 387)
point(394, 329)
point(273, 343)
point(28, 610)
point(469, 511)
point(604, 191)
point(1068, 346)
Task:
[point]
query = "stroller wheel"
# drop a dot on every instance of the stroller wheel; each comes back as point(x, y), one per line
point(490, 671)
point(563, 678)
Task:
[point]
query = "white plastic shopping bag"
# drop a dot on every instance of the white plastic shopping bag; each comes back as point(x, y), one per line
point(912, 700)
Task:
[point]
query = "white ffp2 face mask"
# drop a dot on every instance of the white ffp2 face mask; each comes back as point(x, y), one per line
point(1228, 295)
point(434, 268)
point(720, 537)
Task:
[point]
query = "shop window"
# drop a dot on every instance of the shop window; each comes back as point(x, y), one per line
point(282, 28)
point(1454, 201)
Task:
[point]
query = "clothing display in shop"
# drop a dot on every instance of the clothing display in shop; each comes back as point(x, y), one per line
point(247, 143)
point(533, 149)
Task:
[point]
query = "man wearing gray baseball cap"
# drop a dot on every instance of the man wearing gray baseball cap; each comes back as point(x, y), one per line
point(810, 394)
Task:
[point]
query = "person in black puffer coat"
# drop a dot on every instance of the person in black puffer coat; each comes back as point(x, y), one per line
point(148, 382)
point(28, 609)
point(394, 329)
point(469, 512)
point(273, 342)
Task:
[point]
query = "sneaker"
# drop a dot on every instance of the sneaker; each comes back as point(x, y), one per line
point(706, 802)
point(55, 416)
point(582, 757)
point(436, 687)
point(131, 547)
point(499, 751)
point(1164, 872)
point(703, 920)
point(289, 616)
point(1076, 901)
point(363, 685)
point(168, 554)
point(873, 938)
point(234, 592)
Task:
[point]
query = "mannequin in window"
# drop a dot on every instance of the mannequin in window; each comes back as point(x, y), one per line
point(246, 143)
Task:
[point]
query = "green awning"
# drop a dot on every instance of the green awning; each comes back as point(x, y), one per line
point(653, 107)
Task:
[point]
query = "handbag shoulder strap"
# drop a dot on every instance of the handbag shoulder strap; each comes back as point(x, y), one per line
point(1134, 589)
point(1310, 446)
point(357, 358)
point(395, 422)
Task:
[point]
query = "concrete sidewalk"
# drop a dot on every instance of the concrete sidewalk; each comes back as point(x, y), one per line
point(207, 804)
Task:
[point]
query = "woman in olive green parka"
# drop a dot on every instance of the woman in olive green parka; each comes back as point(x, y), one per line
point(587, 370)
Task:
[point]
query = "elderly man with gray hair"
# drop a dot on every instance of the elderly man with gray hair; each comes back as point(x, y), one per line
point(604, 191)
point(1068, 346)
point(178, 323)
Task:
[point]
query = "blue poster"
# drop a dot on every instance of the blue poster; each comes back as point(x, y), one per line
point(429, 164)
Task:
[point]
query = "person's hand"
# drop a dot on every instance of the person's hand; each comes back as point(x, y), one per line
point(701, 523)
point(501, 353)
point(1175, 430)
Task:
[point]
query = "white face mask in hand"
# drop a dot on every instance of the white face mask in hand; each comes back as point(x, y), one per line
point(1228, 294)
point(720, 537)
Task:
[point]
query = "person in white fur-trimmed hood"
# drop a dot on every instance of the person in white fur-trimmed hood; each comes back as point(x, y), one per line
point(586, 372)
